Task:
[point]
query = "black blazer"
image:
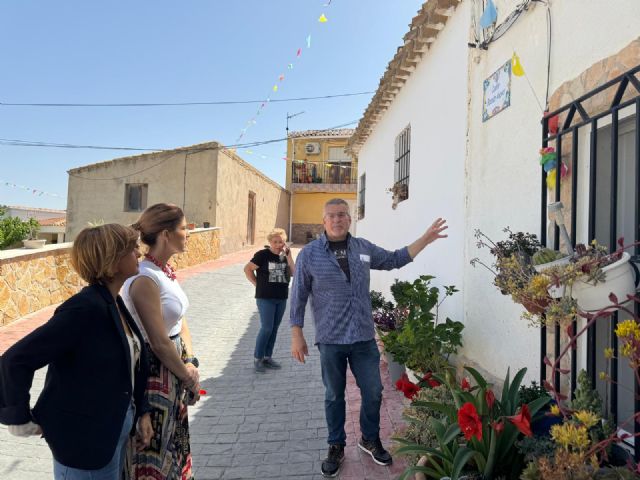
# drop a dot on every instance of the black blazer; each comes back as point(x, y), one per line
point(87, 389)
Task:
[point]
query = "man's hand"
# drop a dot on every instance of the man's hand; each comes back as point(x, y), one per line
point(298, 344)
point(144, 432)
point(433, 233)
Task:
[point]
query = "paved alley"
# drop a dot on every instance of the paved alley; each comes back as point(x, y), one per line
point(248, 426)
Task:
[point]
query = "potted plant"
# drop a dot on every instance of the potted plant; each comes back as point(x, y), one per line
point(32, 240)
point(479, 432)
point(420, 339)
point(387, 318)
point(399, 192)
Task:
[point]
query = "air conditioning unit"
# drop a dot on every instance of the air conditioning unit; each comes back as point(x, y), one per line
point(312, 148)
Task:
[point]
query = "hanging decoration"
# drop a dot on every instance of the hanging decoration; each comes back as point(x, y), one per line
point(549, 162)
point(33, 191)
point(322, 19)
point(516, 66)
point(489, 16)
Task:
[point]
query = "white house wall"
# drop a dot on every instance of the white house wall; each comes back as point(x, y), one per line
point(503, 173)
point(434, 102)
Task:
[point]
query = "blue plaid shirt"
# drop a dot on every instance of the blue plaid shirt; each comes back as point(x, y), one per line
point(341, 309)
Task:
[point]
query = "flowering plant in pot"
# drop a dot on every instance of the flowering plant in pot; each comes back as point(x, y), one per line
point(421, 340)
point(483, 428)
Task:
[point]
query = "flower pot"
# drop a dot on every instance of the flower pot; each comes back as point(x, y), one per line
point(191, 226)
point(618, 280)
point(537, 307)
point(35, 243)
point(421, 463)
point(206, 224)
point(541, 426)
point(395, 369)
point(555, 263)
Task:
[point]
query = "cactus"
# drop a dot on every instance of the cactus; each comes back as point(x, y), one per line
point(546, 255)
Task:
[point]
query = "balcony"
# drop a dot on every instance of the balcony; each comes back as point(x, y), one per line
point(324, 176)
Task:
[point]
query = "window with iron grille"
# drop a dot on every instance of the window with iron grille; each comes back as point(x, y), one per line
point(602, 152)
point(402, 159)
point(363, 184)
point(135, 197)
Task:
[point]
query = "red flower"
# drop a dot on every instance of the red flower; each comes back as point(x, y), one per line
point(469, 421)
point(429, 380)
point(490, 398)
point(465, 384)
point(522, 421)
point(407, 387)
point(498, 426)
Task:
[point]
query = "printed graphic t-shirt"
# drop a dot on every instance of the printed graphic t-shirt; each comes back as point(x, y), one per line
point(339, 249)
point(272, 275)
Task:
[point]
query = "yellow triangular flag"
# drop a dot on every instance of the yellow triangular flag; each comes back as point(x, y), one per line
point(323, 19)
point(275, 88)
point(516, 66)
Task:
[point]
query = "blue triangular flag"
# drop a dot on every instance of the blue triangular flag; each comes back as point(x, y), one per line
point(489, 16)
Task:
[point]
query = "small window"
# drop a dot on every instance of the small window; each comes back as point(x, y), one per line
point(401, 164)
point(363, 184)
point(135, 197)
point(337, 154)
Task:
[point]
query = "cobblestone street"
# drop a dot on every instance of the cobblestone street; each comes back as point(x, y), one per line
point(248, 426)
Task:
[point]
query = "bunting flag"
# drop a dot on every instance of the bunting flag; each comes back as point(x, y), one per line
point(516, 66)
point(489, 16)
point(33, 191)
point(322, 19)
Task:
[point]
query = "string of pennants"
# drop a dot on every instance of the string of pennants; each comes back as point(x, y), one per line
point(278, 83)
point(34, 191)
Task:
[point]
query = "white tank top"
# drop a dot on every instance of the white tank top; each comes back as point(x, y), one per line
point(172, 297)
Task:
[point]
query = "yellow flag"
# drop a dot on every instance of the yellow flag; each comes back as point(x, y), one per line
point(323, 19)
point(551, 179)
point(275, 88)
point(516, 66)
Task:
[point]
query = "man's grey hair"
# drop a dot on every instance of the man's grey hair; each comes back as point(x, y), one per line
point(336, 201)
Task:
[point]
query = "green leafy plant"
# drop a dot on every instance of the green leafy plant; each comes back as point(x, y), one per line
point(13, 229)
point(423, 343)
point(532, 392)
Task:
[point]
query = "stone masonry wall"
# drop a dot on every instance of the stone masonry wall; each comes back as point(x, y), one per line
point(299, 231)
point(45, 277)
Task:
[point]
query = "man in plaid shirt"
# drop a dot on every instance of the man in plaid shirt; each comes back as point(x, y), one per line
point(334, 270)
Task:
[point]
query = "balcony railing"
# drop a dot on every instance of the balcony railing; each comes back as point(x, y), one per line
point(324, 172)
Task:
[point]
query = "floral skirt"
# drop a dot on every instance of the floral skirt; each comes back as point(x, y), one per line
point(168, 457)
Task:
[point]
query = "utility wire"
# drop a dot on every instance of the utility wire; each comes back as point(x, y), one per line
point(186, 150)
point(182, 104)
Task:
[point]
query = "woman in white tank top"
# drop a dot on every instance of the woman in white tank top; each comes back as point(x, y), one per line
point(158, 305)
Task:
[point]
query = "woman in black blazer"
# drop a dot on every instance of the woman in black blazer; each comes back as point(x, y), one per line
point(94, 390)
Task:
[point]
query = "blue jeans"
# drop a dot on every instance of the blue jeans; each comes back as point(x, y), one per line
point(271, 312)
point(112, 470)
point(364, 361)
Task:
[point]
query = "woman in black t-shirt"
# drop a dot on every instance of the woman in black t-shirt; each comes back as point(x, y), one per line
point(269, 271)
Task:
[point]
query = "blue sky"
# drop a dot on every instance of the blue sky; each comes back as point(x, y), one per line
point(167, 51)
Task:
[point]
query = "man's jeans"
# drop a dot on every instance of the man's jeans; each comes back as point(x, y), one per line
point(271, 312)
point(364, 360)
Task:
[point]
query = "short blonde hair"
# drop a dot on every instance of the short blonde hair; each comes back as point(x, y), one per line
point(277, 232)
point(97, 250)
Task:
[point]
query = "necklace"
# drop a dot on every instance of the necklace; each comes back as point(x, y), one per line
point(166, 268)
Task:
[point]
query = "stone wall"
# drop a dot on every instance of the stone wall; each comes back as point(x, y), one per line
point(31, 280)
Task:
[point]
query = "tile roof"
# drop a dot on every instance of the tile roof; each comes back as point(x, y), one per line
point(53, 222)
point(338, 132)
point(423, 31)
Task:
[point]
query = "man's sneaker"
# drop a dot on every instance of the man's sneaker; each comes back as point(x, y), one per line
point(376, 450)
point(258, 366)
point(271, 363)
point(331, 464)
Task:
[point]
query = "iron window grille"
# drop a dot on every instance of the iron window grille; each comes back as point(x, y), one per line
point(402, 160)
point(608, 195)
